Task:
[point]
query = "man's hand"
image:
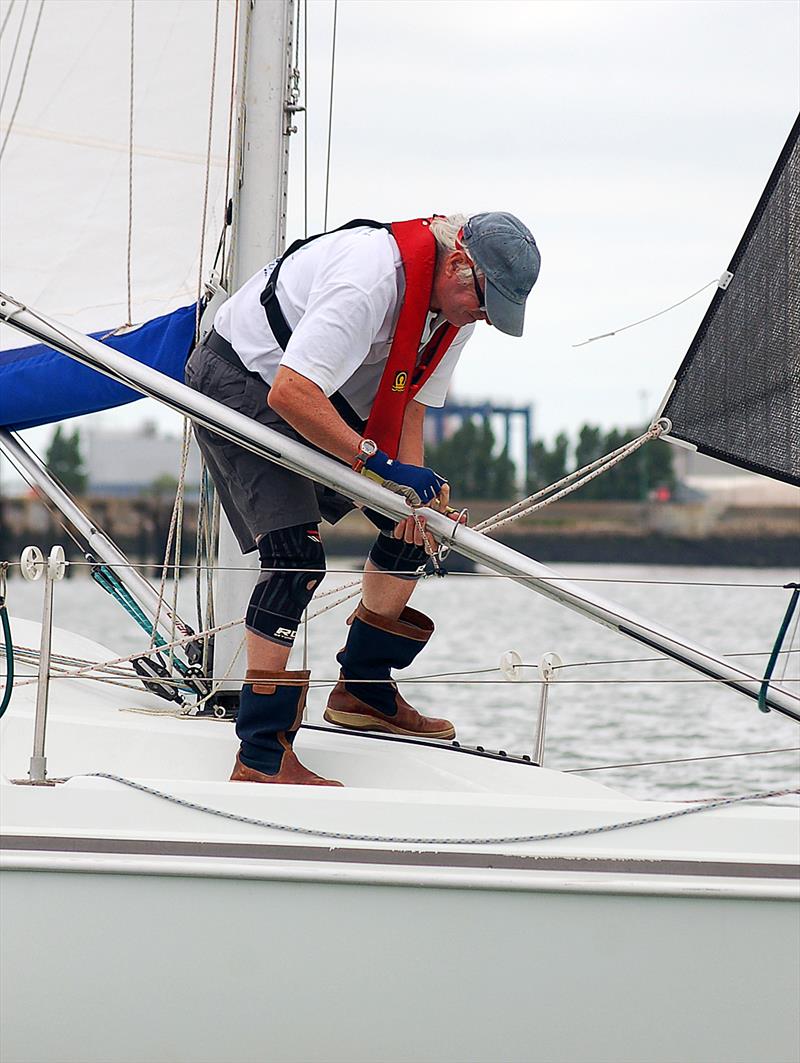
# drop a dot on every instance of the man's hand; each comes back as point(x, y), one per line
point(418, 484)
point(413, 529)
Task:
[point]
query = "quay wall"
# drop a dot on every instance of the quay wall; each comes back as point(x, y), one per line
point(696, 533)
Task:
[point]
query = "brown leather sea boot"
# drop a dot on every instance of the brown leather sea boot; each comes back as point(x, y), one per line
point(270, 711)
point(366, 698)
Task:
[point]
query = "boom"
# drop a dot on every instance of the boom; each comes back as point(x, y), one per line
point(277, 448)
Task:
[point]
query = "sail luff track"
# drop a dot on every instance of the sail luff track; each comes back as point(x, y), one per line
point(293, 455)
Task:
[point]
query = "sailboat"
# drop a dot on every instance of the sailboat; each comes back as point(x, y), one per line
point(447, 902)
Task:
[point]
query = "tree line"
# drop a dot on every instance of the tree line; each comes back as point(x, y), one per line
point(475, 470)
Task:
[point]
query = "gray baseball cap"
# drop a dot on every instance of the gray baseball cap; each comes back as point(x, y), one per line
point(506, 253)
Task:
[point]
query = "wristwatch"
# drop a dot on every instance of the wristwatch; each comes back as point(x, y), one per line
point(367, 449)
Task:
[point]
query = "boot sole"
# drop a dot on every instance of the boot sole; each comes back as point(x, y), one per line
point(357, 721)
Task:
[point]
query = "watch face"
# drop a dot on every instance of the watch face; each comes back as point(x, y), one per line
point(368, 448)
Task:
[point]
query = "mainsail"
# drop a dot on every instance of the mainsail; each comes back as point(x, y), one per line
point(40, 386)
point(736, 395)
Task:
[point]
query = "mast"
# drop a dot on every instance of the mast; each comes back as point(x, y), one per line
point(293, 455)
point(260, 179)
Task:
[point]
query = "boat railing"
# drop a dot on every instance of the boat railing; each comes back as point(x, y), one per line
point(172, 683)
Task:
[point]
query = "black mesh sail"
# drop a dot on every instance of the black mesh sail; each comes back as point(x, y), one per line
point(736, 395)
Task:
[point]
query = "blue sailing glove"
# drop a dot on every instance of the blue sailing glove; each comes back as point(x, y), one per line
point(418, 484)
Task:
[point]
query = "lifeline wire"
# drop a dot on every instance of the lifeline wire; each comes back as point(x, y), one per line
point(682, 760)
point(481, 575)
point(703, 806)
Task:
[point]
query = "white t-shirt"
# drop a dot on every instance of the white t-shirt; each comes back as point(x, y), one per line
point(341, 297)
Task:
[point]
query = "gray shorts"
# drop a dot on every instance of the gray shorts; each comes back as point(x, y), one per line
point(256, 495)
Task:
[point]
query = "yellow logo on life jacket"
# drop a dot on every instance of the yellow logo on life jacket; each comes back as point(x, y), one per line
point(400, 381)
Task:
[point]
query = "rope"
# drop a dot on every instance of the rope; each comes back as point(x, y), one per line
point(787, 619)
point(218, 685)
point(581, 477)
point(93, 666)
point(231, 103)
point(9, 652)
point(111, 584)
point(177, 511)
point(786, 653)
point(24, 77)
point(129, 319)
point(204, 214)
point(330, 113)
point(703, 806)
point(240, 115)
point(605, 335)
point(180, 498)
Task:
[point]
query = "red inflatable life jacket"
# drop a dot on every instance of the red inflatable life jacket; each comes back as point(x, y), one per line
point(407, 368)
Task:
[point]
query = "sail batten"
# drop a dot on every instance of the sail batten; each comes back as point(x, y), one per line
point(736, 395)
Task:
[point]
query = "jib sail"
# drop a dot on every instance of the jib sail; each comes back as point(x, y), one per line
point(736, 395)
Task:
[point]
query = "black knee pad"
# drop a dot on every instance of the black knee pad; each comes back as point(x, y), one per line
point(293, 566)
point(398, 558)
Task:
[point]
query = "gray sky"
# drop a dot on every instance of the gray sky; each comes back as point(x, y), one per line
point(633, 138)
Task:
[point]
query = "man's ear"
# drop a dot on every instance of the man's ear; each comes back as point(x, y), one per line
point(455, 261)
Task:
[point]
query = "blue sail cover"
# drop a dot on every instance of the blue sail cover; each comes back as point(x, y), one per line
point(39, 385)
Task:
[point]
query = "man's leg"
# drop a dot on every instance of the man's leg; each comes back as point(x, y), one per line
point(272, 699)
point(385, 633)
point(384, 593)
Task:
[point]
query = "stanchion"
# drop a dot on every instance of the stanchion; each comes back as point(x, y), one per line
point(33, 566)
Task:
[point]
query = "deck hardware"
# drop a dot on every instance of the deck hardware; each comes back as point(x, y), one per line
point(33, 566)
point(548, 669)
point(511, 666)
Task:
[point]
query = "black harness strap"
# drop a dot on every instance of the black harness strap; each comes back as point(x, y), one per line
point(269, 299)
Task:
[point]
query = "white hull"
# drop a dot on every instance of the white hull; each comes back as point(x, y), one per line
point(192, 964)
point(165, 933)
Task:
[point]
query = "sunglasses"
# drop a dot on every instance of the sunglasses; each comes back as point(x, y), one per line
point(479, 295)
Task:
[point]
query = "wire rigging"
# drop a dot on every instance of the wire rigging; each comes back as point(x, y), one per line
point(204, 212)
point(227, 221)
point(24, 78)
point(330, 113)
point(17, 39)
point(8, 16)
point(305, 118)
point(651, 317)
point(129, 259)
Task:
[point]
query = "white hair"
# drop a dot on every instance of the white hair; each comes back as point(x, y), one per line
point(446, 229)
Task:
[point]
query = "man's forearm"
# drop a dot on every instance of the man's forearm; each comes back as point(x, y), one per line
point(304, 405)
point(412, 446)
